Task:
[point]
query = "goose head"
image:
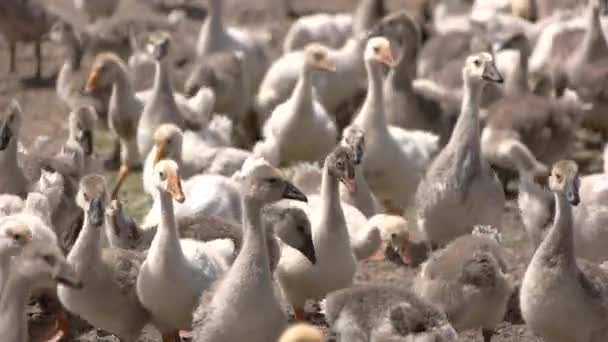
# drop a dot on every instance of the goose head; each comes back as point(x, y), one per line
point(92, 198)
point(564, 179)
point(341, 166)
point(292, 226)
point(265, 184)
point(480, 68)
point(81, 126)
point(167, 142)
point(400, 29)
point(104, 71)
point(61, 32)
point(317, 57)
point(158, 45)
point(354, 137)
point(302, 332)
point(13, 237)
point(10, 123)
point(408, 322)
point(167, 179)
point(378, 51)
point(41, 262)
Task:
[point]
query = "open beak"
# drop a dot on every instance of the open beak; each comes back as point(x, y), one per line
point(65, 274)
point(91, 85)
point(350, 184)
point(96, 212)
point(572, 192)
point(327, 65)
point(309, 250)
point(5, 136)
point(161, 152)
point(386, 57)
point(174, 187)
point(491, 74)
point(292, 192)
point(86, 139)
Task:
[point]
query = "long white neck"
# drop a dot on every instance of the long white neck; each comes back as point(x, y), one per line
point(86, 250)
point(302, 93)
point(165, 248)
point(557, 248)
point(466, 133)
point(372, 111)
point(13, 302)
point(122, 90)
point(5, 265)
point(254, 250)
point(331, 207)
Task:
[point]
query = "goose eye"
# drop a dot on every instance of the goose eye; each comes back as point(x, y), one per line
point(301, 229)
point(161, 175)
point(318, 56)
point(376, 49)
point(340, 165)
point(273, 180)
point(477, 62)
point(558, 177)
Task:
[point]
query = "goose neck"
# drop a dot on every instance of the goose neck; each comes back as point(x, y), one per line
point(122, 88)
point(516, 82)
point(466, 132)
point(302, 93)
point(558, 245)
point(402, 74)
point(13, 303)
point(74, 52)
point(8, 157)
point(87, 246)
point(162, 79)
point(216, 13)
point(331, 208)
point(253, 250)
point(5, 265)
point(373, 108)
point(594, 44)
point(165, 245)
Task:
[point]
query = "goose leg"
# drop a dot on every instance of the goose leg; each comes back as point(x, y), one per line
point(299, 314)
point(487, 334)
point(12, 67)
point(113, 160)
point(38, 52)
point(185, 334)
point(122, 176)
point(171, 337)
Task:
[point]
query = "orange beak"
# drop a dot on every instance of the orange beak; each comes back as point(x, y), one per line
point(161, 152)
point(91, 82)
point(174, 187)
point(386, 57)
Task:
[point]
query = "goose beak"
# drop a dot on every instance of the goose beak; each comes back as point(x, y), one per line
point(386, 57)
point(5, 136)
point(174, 187)
point(327, 66)
point(91, 82)
point(350, 184)
point(96, 212)
point(357, 154)
point(86, 139)
point(572, 191)
point(161, 152)
point(309, 250)
point(65, 274)
point(292, 192)
point(491, 74)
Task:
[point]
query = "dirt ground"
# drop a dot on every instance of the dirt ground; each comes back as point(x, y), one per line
point(45, 115)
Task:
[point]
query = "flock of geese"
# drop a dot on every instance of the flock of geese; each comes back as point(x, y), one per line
point(372, 136)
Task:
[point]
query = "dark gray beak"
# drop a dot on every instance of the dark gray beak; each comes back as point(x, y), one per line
point(5, 136)
point(357, 154)
point(292, 192)
point(96, 212)
point(491, 74)
point(86, 140)
point(309, 250)
point(66, 275)
point(572, 192)
point(161, 50)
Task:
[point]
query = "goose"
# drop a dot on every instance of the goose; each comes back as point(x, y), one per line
point(176, 272)
point(12, 240)
point(161, 106)
point(301, 332)
point(331, 30)
point(69, 81)
point(459, 189)
point(248, 287)
point(109, 273)
point(96, 10)
point(524, 130)
point(469, 281)
point(335, 267)
point(394, 158)
point(13, 180)
point(554, 272)
point(290, 225)
point(38, 262)
point(27, 22)
point(214, 37)
point(81, 132)
point(405, 106)
point(395, 241)
point(10, 204)
point(301, 116)
point(385, 313)
point(333, 89)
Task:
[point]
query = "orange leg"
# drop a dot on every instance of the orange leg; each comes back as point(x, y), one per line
point(122, 176)
point(299, 314)
point(57, 332)
point(185, 334)
point(171, 337)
